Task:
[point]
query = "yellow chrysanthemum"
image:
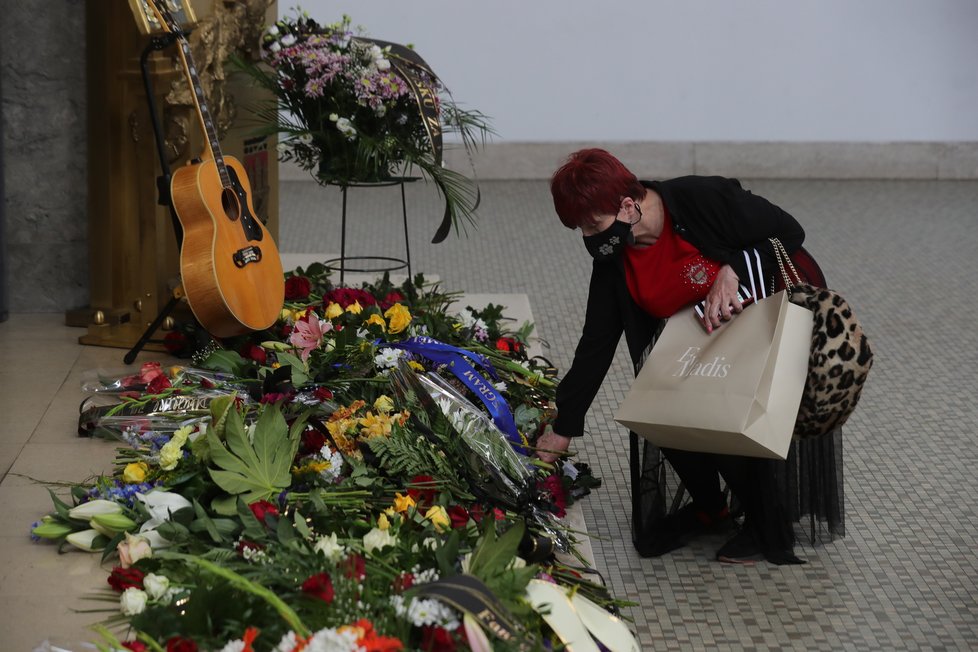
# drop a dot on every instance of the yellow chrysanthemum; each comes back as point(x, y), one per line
point(417, 366)
point(399, 317)
point(333, 310)
point(374, 318)
point(403, 503)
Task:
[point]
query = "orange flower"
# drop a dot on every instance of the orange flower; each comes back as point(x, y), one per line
point(347, 412)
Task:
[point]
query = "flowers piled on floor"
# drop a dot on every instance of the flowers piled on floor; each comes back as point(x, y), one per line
point(351, 479)
point(350, 109)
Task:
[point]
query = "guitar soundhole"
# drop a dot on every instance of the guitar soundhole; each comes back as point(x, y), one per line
point(229, 202)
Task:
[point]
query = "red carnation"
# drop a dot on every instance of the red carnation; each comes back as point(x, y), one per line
point(297, 288)
point(459, 516)
point(121, 578)
point(403, 582)
point(312, 442)
point(256, 353)
point(510, 344)
point(391, 299)
point(437, 639)
point(347, 296)
point(180, 644)
point(319, 586)
point(262, 508)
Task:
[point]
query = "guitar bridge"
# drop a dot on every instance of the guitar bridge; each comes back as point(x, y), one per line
point(247, 255)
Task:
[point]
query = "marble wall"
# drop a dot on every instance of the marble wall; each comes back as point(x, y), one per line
point(42, 63)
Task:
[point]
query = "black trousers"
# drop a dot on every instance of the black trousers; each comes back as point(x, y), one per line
point(754, 482)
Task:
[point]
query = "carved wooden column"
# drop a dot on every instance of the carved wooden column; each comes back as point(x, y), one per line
point(133, 252)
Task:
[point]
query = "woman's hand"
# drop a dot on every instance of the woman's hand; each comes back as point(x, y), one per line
point(550, 445)
point(721, 301)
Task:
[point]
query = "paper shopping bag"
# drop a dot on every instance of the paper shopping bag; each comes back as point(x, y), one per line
point(735, 391)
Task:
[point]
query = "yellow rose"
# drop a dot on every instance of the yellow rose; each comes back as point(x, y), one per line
point(354, 308)
point(439, 518)
point(399, 317)
point(384, 404)
point(333, 310)
point(374, 318)
point(403, 503)
point(135, 473)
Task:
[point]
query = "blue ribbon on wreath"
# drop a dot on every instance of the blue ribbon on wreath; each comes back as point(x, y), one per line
point(460, 362)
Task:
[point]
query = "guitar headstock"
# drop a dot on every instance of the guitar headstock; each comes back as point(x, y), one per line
point(163, 16)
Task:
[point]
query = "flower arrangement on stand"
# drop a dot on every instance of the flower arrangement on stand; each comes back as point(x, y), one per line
point(350, 479)
point(351, 110)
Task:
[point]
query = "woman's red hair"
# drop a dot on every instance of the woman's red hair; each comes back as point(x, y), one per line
point(590, 183)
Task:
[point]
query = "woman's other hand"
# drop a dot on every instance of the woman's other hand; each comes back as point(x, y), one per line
point(550, 445)
point(721, 301)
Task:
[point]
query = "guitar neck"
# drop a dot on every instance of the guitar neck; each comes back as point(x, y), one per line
point(213, 149)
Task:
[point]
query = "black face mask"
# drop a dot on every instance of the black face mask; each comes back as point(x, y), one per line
point(610, 242)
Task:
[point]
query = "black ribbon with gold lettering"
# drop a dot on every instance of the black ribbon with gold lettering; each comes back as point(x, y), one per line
point(468, 594)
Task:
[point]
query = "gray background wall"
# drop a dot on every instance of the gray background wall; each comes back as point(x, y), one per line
point(753, 88)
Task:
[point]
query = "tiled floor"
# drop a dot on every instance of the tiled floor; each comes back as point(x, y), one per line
point(904, 577)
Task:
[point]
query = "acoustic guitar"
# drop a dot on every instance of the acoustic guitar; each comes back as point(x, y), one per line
point(229, 264)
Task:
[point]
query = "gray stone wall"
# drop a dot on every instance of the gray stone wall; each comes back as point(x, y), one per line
point(42, 63)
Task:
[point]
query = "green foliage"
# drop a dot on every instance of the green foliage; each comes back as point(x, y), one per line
point(258, 469)
point(406, 453)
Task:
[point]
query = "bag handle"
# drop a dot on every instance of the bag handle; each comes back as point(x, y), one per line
point(785, 264)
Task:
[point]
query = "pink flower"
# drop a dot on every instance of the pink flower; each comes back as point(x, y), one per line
point(308, 332)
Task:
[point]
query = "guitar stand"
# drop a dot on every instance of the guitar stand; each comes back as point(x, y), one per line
point(158, 43)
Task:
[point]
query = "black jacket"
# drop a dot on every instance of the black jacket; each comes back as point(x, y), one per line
point(714, 214)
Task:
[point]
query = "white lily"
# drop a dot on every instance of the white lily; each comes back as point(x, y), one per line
point(87, 540)
point(86, 511)
point(161, 505)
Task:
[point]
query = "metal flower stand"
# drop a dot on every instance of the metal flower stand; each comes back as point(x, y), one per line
point(340, 264)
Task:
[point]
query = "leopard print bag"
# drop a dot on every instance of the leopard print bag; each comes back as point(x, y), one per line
point(840, 357)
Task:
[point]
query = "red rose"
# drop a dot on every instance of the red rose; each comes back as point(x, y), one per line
point(135, 646)
point(180, 644)
point(174, 342)
point(121, 578)
point(558, 496)
point(459, 516)
point(256, 353)
point(354, 567)
point(262, 509)
point(319, 586)
point(322, 394)
point(425, 494)
point(297, 288)
point(158, 384)
point(437, 639)
point(312, 442)
point(347, 296)
point(149, 371)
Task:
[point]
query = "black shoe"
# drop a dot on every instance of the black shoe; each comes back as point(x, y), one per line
point(675, 531)
point(742, 549)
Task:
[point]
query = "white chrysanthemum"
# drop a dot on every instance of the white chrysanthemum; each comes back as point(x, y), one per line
point(236, 645)
point(421, 612)
point(346, 128)
point(330, 640)
point(387, 358)
point(335, 459)
point(500, 386)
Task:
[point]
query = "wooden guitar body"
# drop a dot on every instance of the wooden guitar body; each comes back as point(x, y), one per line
point(230, 266)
